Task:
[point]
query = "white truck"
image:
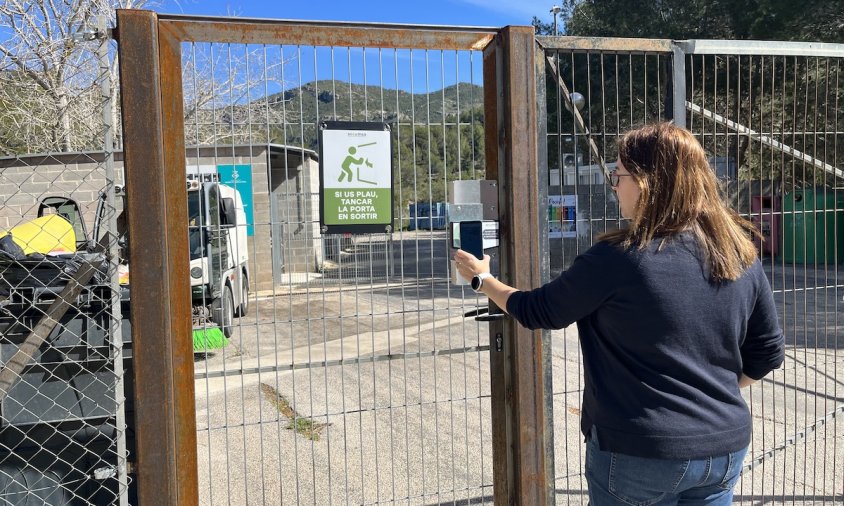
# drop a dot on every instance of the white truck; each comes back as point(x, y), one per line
point(219, 256)
point(219, 259)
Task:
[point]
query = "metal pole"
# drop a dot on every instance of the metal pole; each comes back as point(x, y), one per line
point(679, 86)
point(555, 10)
point(545, 264)
point(154, 158)
point(516, 355)
point(115, 320)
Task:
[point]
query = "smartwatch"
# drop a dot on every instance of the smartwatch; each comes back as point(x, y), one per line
point(478, 280)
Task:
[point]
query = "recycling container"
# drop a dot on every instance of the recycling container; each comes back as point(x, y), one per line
point(813, 226)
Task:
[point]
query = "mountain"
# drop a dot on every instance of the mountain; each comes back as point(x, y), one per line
point(325, 100)
point(433, 143)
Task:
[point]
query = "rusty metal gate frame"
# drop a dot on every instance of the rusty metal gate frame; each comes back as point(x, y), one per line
point(516, 151)
point(152, 95)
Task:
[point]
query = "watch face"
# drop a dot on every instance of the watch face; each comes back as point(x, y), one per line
point(476, 282)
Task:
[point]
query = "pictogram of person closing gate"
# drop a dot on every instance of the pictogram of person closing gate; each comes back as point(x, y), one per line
point(350, 160)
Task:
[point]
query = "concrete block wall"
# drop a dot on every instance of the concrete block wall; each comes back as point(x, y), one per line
point(26, 180)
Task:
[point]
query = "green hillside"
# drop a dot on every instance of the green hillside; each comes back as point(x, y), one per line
point(433, 142)
point(324, 100)
point(438, 136)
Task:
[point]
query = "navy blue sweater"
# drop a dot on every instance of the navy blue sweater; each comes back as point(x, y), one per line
point(663, 347)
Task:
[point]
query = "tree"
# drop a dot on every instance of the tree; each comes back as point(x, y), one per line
point(814, 20)
point(49, 75)
point(50, 80)
point(748, 90)
point(225, 97)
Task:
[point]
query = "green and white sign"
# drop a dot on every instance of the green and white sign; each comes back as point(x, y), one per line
point(356, 177)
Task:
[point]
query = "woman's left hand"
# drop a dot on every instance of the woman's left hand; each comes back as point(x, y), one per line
point(468, 265)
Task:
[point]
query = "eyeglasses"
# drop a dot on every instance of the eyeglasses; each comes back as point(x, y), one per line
point(614, 177)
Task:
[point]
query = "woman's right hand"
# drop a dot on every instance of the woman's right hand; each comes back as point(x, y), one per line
point(468, 264)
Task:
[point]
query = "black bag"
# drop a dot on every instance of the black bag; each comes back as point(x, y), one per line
point(10, 248)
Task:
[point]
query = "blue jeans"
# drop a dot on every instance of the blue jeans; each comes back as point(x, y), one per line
point(617, 479)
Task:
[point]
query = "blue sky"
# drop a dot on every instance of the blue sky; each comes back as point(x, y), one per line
point(439, 12)
point(430, 71)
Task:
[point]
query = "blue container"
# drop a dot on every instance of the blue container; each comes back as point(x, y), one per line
point(427, 216)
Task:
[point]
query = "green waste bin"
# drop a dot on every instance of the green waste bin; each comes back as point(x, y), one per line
point(813, 226)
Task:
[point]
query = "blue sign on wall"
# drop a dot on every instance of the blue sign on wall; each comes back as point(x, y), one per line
point(239, 177)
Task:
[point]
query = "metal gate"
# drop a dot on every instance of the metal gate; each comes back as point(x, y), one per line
point(768, 115)
point(352, 376)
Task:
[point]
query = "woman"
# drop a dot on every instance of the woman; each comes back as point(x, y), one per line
point(674, 315)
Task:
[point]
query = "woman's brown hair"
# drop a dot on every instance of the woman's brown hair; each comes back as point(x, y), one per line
point(679, 192)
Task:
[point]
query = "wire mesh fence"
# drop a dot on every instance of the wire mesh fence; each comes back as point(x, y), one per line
point(767, 115)
point(592, 98)
point(353, 378)
point(772, 123)
point(65, 383)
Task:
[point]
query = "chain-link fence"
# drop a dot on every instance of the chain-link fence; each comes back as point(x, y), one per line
point(65, 381)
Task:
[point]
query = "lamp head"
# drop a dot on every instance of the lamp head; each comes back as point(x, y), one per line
point(578, 100)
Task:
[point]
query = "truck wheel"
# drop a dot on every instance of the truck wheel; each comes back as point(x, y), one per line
point(222, 311)
point(243, 308)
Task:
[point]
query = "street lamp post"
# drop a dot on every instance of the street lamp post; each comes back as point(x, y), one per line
point(578, 101)
point(556, 9)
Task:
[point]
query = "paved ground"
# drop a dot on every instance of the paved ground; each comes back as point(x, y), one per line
point(416, 429)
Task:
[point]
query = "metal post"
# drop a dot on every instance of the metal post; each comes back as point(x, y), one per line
point(545, 263)
point(516, 364)
point(115, 325)
point(679, 85)
point(556, 10)
point(154, 157)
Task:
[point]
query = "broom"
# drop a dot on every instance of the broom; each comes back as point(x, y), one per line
point(206, 339)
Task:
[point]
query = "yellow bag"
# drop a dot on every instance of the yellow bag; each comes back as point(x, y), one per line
point(48, 235)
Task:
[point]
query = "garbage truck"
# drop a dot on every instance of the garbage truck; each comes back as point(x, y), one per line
point(219, 258)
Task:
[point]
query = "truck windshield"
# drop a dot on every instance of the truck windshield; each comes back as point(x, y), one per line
point(195, 224)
